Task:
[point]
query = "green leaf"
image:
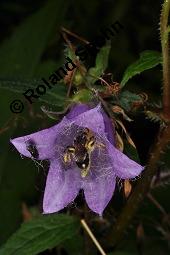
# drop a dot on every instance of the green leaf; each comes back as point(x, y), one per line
point(94, 73)
point(46, 68)
point(74, 245)
point(54, 96)
point(40, 234)
point(127, 99)
point(148, 59)
point(82, 96)
point(53, 114)
point(69, 53)
point(21, 53)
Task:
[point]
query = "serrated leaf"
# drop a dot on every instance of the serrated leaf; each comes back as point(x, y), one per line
point(40, 234)
point(147, 60)
point(55, 115)
point(70, 53)
point(127, 98)
point(21, 53)
point(94, 73)
point(54, 96)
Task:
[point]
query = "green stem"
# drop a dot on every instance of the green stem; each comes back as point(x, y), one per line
point(165, 54)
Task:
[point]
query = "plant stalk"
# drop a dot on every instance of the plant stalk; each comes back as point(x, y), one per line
point(143, 185)
point(165, 30)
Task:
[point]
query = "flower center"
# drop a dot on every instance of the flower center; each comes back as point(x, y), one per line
point(80, 150)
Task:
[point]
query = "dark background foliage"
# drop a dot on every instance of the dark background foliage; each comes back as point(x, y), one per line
point(22, 180)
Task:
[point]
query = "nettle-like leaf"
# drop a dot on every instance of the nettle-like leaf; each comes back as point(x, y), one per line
point(127, 99)
point(21, 53)
point(148, 59)
point(94, 73)
point(69, 53)
point(53, 114)
point(40, 234)
point(54, 96)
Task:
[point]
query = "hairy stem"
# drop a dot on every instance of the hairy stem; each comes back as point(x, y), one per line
point(165, 54)
point(142, 188)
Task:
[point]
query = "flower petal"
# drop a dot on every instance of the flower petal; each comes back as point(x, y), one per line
point(124, 167)
point(77, 110)
point(109, 128)
point(97, 120)
point(99, 185)
point(39, 145)
point(99, 192)
point(62, 187)
point(92, 119)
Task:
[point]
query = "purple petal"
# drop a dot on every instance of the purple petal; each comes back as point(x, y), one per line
point(62, 187)
point(99, 192)
point(77, 110)
point(99, 185)
point(41, 143)
point(92, 119)
point(95, 119)
point(124, 167)
point(109, 129)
